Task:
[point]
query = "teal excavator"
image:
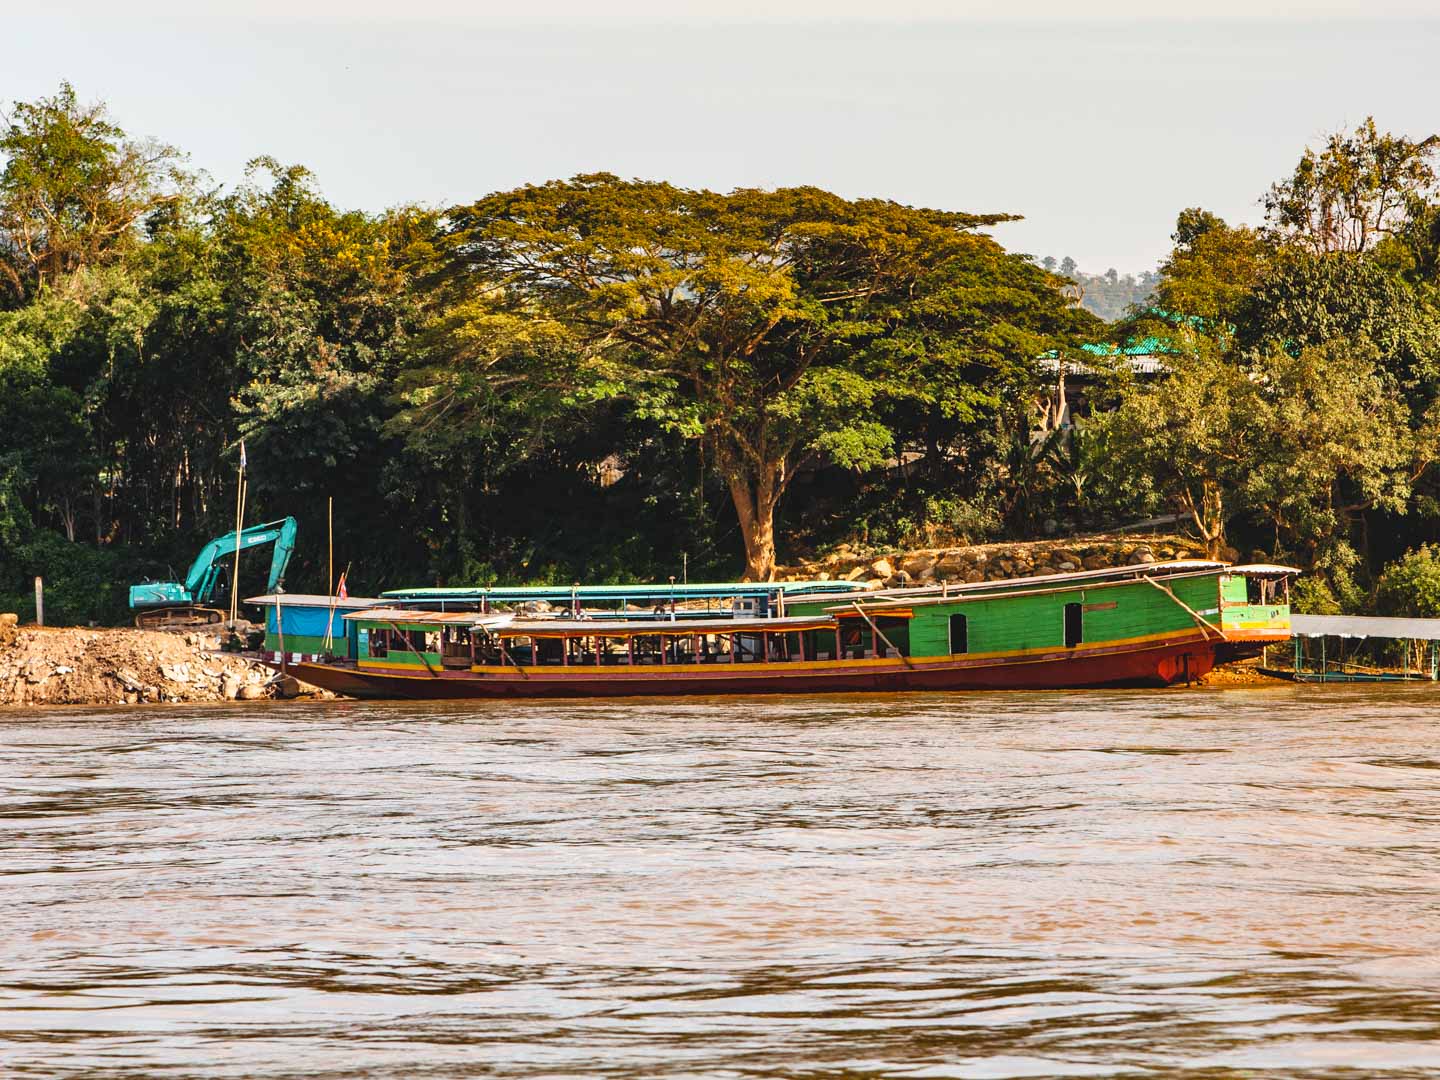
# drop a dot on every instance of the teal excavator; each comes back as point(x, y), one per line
point(160, 604)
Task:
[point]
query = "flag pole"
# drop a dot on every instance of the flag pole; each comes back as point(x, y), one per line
point(239, 520)
point(329, 641)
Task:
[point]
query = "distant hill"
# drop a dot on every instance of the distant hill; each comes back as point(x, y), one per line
point(1108, 295)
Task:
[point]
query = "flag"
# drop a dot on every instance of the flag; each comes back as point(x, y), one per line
point(340, 589)
point(242, 453)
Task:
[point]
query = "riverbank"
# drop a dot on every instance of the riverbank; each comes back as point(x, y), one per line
point(81, 666)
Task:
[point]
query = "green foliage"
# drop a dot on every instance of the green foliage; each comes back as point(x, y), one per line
point(777, 328)
point(1410, 586)
point(1362, 187)
point(75, 191)
point(609, 379)
point(1212, 270)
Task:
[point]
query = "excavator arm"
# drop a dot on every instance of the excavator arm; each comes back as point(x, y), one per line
point(205, 571)
point(164, 603)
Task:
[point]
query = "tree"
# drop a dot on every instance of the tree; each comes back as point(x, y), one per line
point(1212, 268)
point(1362, 187)
point(1192, 434)
point(1302, 300)
point(775, 327)
point(1302, 443)
point(75, 190)
point(1410, 586)
point(1335, 441)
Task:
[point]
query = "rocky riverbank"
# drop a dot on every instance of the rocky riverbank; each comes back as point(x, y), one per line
point(74, 666)
point(992, 562)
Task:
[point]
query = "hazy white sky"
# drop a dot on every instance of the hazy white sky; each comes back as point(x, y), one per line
point(1097, 125)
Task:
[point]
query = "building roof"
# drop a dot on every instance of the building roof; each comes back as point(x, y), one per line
point(1365, 626)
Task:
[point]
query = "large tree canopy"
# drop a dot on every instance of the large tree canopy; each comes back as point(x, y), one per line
point(75, 190)
point(777, 327)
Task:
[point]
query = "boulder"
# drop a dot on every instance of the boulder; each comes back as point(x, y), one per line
point(252, 692)
point(1140, 555)
point(1095, 562)
point(916, 565)
point(230, 686)
point(882, 568)
point(285, 686)
point(129, 680)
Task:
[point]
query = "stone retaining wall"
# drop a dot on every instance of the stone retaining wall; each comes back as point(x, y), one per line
point(993, 562)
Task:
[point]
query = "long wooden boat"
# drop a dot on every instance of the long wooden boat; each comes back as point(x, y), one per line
point(1150, 625)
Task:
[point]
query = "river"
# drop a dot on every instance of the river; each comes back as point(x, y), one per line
point(1235, 882)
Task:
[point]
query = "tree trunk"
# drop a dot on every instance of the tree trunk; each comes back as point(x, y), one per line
point(1208, 514)
point(755, 499)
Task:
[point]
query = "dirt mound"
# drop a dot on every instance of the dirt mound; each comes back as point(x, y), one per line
point(72, 666)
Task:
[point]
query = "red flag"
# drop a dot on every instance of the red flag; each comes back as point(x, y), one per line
point(340, 589)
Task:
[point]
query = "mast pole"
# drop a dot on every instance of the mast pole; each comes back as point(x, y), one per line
point(239, 525)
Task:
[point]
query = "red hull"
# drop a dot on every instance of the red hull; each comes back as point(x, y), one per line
point(1151, 664)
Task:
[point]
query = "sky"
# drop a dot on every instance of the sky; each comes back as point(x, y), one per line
point(1097, 122)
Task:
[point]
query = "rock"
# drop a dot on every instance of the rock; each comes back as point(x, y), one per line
point(1095, 562)
point(854, 573)
point(285, 686)
point(230, 686)
point(129, 679)
point(64, 669)
point(1229, 554)
point(1140, 555)
point(916, 565)
point(1066, 567)
point(974, 576)
point(873, 584)
point(176, 672)
point(882, 568)
point(251, 692)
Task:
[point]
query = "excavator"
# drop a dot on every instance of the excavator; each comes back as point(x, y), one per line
point(161, 604)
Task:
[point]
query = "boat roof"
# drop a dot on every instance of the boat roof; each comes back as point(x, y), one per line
point(640, 591)
point(1166, 569)
point(1365, 626)
point(1113, 576)
point(348, 603)
point(592, 627)
point(1265, 570)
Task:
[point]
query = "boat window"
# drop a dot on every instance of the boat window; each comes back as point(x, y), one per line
point(959, 634)
point(379, 642)
point(1073, 631)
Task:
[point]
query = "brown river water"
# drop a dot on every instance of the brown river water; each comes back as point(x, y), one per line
point(1214, 883)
